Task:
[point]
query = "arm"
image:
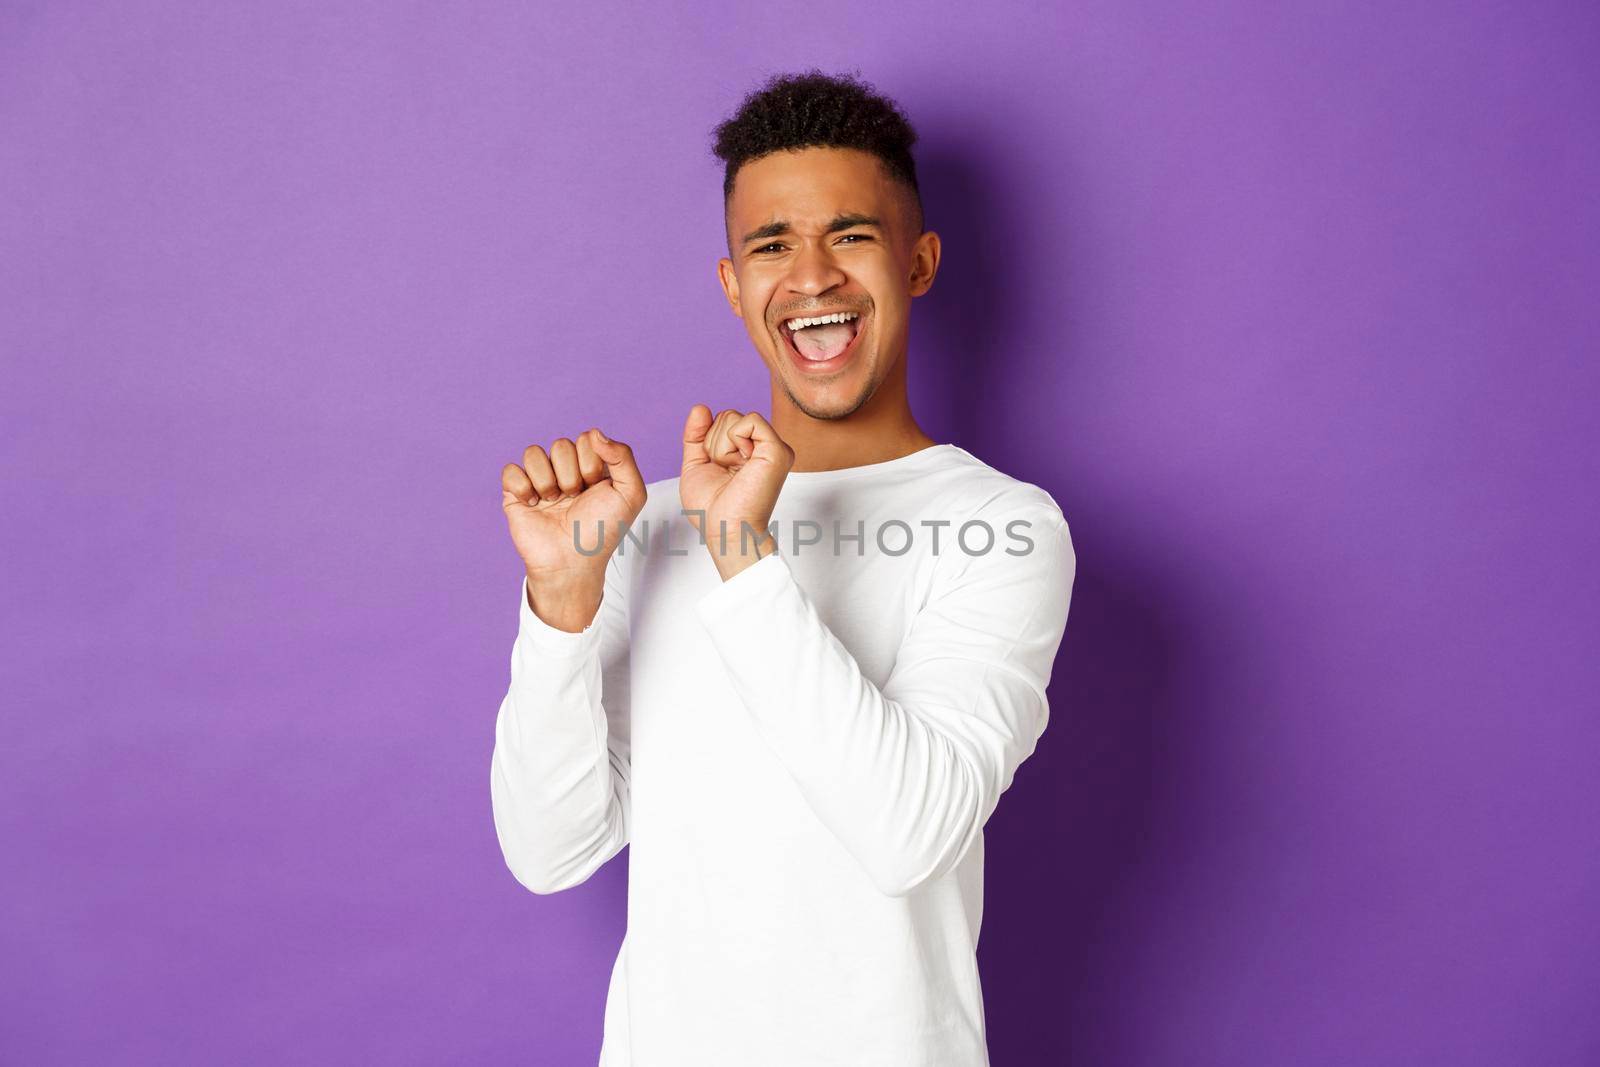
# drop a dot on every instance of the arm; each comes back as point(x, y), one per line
point(559, 775)
point(905, 777)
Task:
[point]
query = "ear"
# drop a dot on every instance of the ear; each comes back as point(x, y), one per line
point(730, 283)
point(924, 262)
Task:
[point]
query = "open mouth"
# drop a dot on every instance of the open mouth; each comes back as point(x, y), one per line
point(821, 342)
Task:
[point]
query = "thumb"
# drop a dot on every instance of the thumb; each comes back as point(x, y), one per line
point(620, 468)
point(695, 429)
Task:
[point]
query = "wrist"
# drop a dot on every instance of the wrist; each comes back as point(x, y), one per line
point(565, 601)
point(741, 553)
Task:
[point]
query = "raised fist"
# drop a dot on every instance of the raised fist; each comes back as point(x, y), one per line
point(734, 465)
point(578, 496)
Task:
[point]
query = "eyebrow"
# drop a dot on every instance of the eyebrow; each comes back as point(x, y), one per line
point(840, 222)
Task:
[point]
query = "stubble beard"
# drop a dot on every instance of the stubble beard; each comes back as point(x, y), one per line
point(814, 412)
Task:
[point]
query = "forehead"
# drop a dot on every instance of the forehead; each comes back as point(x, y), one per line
point(807, 187)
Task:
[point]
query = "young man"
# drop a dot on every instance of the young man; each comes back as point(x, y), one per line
point(799, 680)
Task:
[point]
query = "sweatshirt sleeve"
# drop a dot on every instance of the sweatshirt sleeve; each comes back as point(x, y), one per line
point(906, 776)
point(559, 774)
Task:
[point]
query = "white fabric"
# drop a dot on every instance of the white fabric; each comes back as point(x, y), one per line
point(802, 759)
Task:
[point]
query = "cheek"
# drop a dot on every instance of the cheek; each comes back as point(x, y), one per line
point(756, 303)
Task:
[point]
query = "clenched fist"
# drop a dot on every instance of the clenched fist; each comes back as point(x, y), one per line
point(734, 466)
point(580, 494)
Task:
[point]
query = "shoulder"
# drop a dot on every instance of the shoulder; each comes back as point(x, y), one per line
point(1011, 582)
point(973, 490)
point(1033, 542)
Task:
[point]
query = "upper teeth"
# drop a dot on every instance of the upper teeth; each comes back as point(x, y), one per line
point(838, 316)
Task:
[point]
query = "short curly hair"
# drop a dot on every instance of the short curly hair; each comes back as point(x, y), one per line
point(813, 109)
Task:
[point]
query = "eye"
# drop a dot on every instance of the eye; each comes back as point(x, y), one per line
point(778, 245)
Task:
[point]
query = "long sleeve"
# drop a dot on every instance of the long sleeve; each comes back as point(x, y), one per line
point(559, 775)
point(906, 777)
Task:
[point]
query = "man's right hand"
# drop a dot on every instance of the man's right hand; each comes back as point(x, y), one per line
point(589, 489)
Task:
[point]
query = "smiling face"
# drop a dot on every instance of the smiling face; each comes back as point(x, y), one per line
point(817, 232)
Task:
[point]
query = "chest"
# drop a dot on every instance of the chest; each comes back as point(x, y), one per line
point(693, 742)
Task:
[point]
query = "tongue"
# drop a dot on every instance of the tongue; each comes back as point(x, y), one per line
point(825, 341)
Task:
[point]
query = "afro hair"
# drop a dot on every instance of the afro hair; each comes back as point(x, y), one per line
point(817, 110)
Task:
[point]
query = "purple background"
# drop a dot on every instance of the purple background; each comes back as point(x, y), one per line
point(1293, 308)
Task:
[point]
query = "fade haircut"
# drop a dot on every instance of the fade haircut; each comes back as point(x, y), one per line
point(817, 110)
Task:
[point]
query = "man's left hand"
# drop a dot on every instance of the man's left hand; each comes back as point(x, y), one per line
point(734, 465)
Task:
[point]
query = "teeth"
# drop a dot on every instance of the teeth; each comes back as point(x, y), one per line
point(839, 316)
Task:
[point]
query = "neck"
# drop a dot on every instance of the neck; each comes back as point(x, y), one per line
point(881, 429)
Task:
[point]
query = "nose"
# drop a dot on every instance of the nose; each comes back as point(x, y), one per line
point(813, 270)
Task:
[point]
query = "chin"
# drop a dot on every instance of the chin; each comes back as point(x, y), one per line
point(829, 404)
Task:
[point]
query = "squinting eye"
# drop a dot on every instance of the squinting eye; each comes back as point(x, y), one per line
point(846, 237)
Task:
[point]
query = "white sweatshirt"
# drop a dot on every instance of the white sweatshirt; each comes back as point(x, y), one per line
point(802, 757)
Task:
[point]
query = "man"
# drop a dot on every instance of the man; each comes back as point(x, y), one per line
point(797, 677)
